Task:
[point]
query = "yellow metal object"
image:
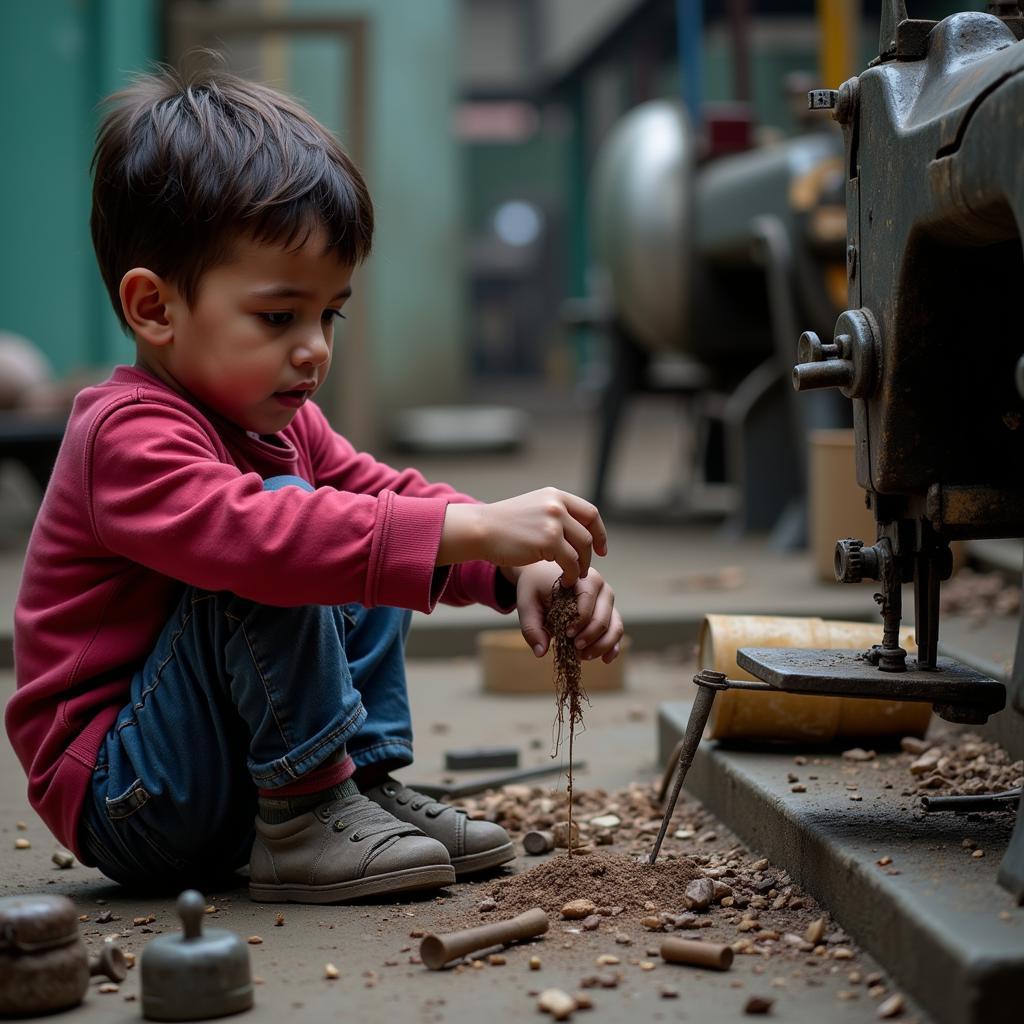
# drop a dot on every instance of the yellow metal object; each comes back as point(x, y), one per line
point(837, 56)
point(746, 714)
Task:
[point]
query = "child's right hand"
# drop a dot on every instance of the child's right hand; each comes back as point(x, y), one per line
point(548, 525)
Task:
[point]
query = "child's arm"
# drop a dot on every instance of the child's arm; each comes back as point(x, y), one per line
point(548, 525)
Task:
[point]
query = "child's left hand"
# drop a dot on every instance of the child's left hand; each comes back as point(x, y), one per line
point(598, 629)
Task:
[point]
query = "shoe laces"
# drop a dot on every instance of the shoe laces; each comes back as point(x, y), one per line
point(365, 818)
point(417, 801)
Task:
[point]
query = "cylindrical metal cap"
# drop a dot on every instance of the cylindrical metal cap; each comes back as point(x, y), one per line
point(195, 975)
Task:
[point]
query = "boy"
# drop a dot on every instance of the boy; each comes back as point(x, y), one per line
point(211, 620)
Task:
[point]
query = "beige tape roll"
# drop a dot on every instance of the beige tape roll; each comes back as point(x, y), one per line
point(786, 716)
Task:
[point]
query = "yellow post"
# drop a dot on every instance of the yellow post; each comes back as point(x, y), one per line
point(839, 22)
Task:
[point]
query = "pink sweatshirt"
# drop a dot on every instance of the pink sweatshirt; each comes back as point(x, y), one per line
point(150, 493)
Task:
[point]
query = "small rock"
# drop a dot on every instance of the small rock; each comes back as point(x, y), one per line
point(254, 940)
point(583, 1001)
point(63, 859)
point(926, 762)
point(884, 861)
point(330, 972)
point(798, 788)
point(104, 916)
point(815, 931)
point(556, 1002)
point(576, 910)
point(912, 745)
point(279, 920)
point(759, 865)
point(699, 894)
point(622, 939)
point(496, 960)
point(609, 980)
point(668, 992)
point(534, 963)
point(758, 1005)
point(653, 923)
point(22, 844)
point(592, 923)
point(683, 833)
point(859, 754)
point(708, 837)
point(108, 988)
point(607, 960)
point(646, 965)
point(487, 905)
point(842, 953)
point(606, 821)
point(978, 854)
point(892, 1007)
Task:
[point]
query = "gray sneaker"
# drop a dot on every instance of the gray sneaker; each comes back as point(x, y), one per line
point(345, 849)
point(472, 845)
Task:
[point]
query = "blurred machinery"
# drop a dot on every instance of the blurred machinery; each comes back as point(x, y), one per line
point(710, 266)
point(929, 352)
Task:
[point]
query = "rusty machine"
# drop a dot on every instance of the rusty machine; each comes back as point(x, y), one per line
point(929, 352)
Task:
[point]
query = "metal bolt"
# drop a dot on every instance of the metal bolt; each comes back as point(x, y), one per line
point(822, 99)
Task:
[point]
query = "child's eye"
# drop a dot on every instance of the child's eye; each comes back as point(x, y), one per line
point(278, 319)
point(331, 314)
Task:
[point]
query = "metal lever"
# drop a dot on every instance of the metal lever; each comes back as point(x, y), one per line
point(708, 683)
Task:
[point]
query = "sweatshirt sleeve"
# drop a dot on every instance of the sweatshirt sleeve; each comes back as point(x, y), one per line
point(158, 493)
point(338, 464)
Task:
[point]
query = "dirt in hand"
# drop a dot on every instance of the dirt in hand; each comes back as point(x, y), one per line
point(569, 693)
point(613, 882)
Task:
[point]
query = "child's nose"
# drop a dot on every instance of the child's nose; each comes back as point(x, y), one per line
point(312, 351)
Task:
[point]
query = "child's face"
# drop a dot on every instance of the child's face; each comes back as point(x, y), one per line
point(256, 343)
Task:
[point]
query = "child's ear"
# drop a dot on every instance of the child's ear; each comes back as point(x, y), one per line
point(144, 300)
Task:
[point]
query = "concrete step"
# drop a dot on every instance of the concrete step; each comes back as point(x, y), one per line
point(935, 917)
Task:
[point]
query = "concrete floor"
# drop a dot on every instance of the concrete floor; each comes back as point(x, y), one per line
point(618, 746)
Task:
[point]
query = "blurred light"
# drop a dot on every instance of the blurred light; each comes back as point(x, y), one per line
point(494, 121)
point(518, 223)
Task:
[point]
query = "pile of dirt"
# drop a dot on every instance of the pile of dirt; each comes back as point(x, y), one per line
point(614, 883)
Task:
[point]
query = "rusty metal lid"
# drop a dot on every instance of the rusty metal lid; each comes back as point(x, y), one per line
point(36, 922)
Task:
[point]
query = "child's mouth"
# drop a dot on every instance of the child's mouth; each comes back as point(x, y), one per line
point(292, 399)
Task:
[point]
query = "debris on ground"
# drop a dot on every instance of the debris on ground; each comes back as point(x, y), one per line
point(979, 596)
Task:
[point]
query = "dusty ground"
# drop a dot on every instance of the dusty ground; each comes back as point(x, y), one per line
point(375, 946)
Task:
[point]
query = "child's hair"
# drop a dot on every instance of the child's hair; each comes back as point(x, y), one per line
point(184, 167)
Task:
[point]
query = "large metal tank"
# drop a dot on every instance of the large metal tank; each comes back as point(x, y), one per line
point(678, 242)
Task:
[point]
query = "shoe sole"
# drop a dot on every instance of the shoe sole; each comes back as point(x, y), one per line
point(472, 862)
point(432, 876)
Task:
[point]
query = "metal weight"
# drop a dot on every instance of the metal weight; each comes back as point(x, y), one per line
point(195, 975)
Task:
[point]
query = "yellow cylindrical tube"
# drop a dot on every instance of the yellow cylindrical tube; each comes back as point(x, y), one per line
point(747, 714)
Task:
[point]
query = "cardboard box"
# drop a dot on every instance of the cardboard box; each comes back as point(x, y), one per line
point(509, 666)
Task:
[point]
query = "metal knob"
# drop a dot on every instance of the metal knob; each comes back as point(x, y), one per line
point(849, 564)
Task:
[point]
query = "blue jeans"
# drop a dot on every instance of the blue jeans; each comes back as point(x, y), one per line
point(238, 695)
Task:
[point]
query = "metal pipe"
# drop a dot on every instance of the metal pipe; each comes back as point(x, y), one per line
point(438, 950)
point(698, 954)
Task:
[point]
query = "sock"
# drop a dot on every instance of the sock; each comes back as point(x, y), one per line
point(369, 775)
point(328, 781)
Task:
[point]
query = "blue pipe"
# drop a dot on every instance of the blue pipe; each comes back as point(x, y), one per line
point(689, 31)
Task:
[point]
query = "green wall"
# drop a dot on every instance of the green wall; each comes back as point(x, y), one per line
point(57, 59)
point(414, 279)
